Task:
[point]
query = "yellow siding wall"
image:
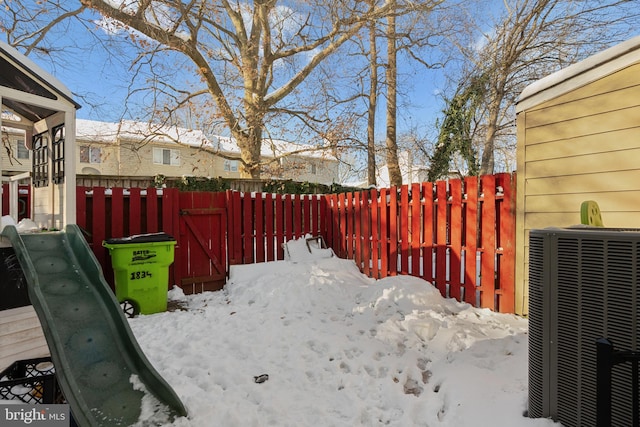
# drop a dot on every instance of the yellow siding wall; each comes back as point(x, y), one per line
point(581, 145)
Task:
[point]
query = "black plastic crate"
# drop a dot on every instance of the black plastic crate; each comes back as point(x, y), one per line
point(31, 381)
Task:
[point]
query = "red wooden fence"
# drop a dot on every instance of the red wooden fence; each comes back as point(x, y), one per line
point(24, 205)
point(457, 234)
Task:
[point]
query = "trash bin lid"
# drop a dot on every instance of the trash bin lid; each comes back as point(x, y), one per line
point(141, 238)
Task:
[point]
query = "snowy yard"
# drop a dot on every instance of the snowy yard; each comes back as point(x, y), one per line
point(339, 349)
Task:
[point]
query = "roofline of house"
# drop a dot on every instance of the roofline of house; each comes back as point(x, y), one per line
point(580, 74)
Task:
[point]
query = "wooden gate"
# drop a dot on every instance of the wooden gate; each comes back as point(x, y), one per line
point(201, 257)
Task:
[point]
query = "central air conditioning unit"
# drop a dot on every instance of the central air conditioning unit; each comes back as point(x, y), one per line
point(583, 285)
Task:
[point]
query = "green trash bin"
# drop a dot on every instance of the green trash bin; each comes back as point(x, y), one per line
point(141, 270)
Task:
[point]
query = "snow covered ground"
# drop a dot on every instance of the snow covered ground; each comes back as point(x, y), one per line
point(339, 349)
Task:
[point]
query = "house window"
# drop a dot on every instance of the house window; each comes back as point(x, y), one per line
point(231, 166)
point(40, 160)
point(90, 154)
point(314, 170)
point(57, 154)
point(21, 150)
point(165, 156)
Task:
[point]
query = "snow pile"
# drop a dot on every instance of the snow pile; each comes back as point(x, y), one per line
point(339, 349)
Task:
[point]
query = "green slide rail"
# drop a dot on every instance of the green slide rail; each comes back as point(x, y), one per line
point(102, 371)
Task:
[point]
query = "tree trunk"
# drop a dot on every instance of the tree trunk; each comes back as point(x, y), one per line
point(373, 100)
point(250, 141)
point(487, 165)
point(395, 175)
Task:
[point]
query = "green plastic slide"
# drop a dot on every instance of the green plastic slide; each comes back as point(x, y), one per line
point(104, 375)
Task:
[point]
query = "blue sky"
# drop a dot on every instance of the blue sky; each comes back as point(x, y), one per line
point(100, 83)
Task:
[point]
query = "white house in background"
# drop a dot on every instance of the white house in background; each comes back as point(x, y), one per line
point(130, 148)
point(411, 173)
point(15, 157)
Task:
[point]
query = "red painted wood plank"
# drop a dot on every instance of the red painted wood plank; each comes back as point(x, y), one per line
point(237, 227)
point(81, 207)
point(384, 233)
point(455, 245)
point(365, 219)
point(470, 245)
point(375, 234)
point(269, 209)
point(204, 244)
point(232, 216)
point(358, 237)
point(169, 211)
point(441, 237)
point(403, 225)
point(487, 264)
point(507, 227)
point(416, 238)
point(98, 232)
point(427, 231)
point(316, 230)
point(199, 226)
point(324, 222)
point(335, 224)
point(342, 209)
point(182, 252)
point(260, 225)
point(308, 216)
point(350, 218)
point(152, 210)
point(135, 212)
point(117, 212)
point(393, 231)
point(247, 228)
point(220, 201)
point(279, 226)
point(288, 217)
point(329, 219)
point(297, 217)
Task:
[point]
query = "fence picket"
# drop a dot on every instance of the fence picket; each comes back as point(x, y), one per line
point(404, 230)
point(470, 239)
point(506, 243)
point(279, 226)
point(259, 227)
point(393, 231)
point(135, 211)
point(441, 237)
point(268, 218)
point(427, 231)
point(415, 230)
point(374, 232)
point(488, 241)
point(365, 226)
point(455, 243)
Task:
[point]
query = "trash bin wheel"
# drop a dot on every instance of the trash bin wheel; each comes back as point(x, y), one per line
point(130, 308)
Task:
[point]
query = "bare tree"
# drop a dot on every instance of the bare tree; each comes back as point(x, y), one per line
point(395, 175)
point(249, 56)
point(373, 103)
point(532, 39)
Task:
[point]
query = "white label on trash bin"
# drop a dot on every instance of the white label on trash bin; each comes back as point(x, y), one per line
point(143, 255)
